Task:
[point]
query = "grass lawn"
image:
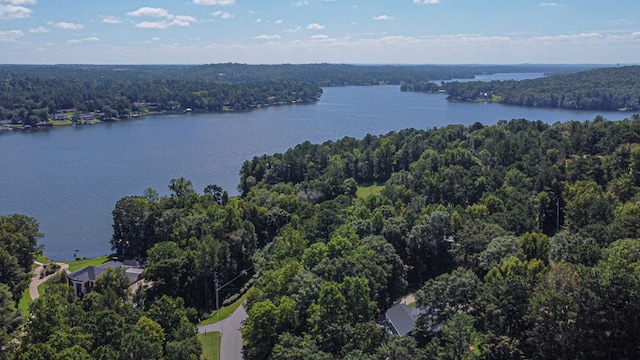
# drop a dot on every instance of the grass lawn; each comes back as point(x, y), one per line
point(77, 265)
point(224, 312)
point(60, 122)
point(210, 345)
point(25, 303)
point(364, 191)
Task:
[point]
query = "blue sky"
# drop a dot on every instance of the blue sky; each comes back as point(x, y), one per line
point(313, 31)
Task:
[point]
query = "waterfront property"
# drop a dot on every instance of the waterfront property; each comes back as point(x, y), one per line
point(83, 280)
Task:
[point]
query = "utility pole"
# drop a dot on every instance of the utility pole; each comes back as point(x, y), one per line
point(558, 214)
point(215, 281)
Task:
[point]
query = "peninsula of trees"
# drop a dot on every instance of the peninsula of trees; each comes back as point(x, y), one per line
point(608, 89)
point(520, 240)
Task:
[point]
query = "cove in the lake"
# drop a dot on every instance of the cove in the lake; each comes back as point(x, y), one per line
point(70, 178)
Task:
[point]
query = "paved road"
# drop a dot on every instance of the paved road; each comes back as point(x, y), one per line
point(36, 280)
point(231, 343)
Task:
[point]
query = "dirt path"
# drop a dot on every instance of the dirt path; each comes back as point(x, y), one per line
point(36, 280)
point(408, 299)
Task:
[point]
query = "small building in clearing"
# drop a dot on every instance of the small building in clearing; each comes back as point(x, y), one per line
point(400, 319)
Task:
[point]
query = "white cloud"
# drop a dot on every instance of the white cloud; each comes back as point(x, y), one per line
point(302, 3)
point(382, 17)
point(279, 21)
point(294, 30)
point(87, 39)
point(182, 20)
point(319, 37)
point(151, 12)
point(267, 37)
point(39, 30)
point(222, 15)
point(426, 2)
point(14, 12)
point(19, 2)
point(552, 4)
point(315, 26)
point(69, 26)
point(111, 20)
point(153, 25)
point(176, 20)
point(214, 2)
point(11, 35)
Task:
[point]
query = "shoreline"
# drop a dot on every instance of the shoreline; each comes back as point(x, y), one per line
point(52, 124)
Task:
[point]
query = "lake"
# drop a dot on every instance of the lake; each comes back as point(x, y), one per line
point(70, 178)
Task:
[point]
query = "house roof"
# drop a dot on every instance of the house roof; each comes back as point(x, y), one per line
point(402, 318)
point(114, 264)
point(89, 273)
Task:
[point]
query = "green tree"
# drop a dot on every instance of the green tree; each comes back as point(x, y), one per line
point(143, 341)
point(553, 309)
point(9, 320)
point(535, 246)
point(459, 339)
point(427, 246)
point(328, 318)
point(445, 296)
point(115, 281)
point(567, 247)
point(259, 333)
point(292, 347)
point(18, 243)
point(133, 231)
point(589, 210)
point(506, 293)
point(498, 250)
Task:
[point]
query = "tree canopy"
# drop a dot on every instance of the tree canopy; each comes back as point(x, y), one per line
point(519, 240)
point(607, 89)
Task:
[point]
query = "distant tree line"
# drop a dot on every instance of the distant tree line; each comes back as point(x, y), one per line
point(318, 74)
point(32, 94)
point(607, 89)
point(31, 100)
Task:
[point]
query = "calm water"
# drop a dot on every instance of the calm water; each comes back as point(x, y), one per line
point(70, 178)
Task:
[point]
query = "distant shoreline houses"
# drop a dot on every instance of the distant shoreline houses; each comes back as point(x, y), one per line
point(83, 280)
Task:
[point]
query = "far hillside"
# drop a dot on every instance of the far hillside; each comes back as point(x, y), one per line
point(606, 89)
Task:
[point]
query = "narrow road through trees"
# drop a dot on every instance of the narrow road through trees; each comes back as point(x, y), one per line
point(231, 339)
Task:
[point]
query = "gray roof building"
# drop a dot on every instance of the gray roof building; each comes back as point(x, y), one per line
point(83, 280)
point(401, 318)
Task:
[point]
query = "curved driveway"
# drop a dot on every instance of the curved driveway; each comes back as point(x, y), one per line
point(36, 280)
point(231, 342)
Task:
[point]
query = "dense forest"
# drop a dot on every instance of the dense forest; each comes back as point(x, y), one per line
point(542, 263)
point(608, 89)
point(33, 101)
point(317, 74)
point(520, 240)
point(35, 94)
